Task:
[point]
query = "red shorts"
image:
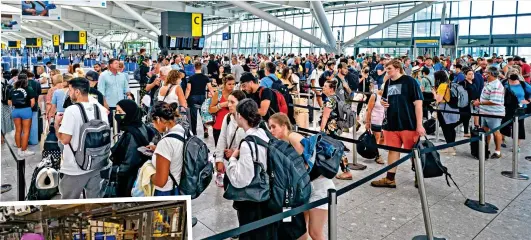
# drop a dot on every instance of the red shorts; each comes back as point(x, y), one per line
point(401, 139)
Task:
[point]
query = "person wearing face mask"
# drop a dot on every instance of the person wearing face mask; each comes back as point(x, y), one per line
point(74, 179)
point(518, 95)
point(124, 155)
point(168, 153)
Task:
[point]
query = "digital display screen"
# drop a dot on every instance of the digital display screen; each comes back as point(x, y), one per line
point(12, 44)
point(185, 43)
point(71, 36)
point(173, 42)
point(448, 36)
point(201, 43)
point(30, 42)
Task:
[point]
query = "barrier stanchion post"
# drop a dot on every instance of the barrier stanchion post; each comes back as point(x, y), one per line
point(514, 174)
point(423, 199)
point(310, 105)
point(332, 214)
point(21, 179)
point(481, 205)
point(355, 165)
point(139, 100)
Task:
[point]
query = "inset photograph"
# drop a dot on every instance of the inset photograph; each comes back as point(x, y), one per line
point(97, 219)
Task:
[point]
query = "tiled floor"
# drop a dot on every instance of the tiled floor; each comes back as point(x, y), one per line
point(371, 213)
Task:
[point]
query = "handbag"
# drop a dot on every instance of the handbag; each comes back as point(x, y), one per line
point(258, 189)
point(108, 184)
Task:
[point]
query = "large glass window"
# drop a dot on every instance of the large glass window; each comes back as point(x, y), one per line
point(480, 26)
point(523, 25)
point(330, 17)
point(361, 29)
point(350, 32)
point(363, 17)
point(505, 7)
point(435, 28)
point(297, 22)
point(481, 8)
point(377, 34)
point(422, 29)
point(350, 17)
point(460, 9)
point(377, 15)
point(503, 25)
point(423, 14)
point(339, 18)
point(404, 30)
point(307, 21)
point(524, 6)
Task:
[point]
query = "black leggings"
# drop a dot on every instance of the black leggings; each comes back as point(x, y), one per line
point(465, 119)
point(447, 129)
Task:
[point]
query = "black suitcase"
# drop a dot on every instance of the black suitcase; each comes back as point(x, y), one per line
point(474, 146)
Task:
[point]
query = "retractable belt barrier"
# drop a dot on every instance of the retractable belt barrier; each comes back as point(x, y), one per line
point(468, 113)
point(21, 172)
point(278, 217)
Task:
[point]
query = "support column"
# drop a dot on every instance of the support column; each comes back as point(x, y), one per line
point(281, 24)
point(319, 14)
point(135, 14)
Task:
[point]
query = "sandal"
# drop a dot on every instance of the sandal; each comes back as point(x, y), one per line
point(379, 160)
point(344, 176)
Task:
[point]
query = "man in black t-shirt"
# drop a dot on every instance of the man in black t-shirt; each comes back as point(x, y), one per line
point(264, 97)
point(196, 95)
point(402, 125)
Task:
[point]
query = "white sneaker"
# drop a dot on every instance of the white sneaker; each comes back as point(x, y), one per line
point(27, 153)
point(19, 152)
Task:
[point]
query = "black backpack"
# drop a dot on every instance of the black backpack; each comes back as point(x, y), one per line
point(367, 147)
point(431, 162)
point(18, 97)
point(6, 90)
point(329, 155)
point(289, 178)
point(430, 126)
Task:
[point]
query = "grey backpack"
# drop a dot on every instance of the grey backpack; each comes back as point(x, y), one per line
point(197, 169)
point(458, 96)
point(346, 116)
point(94, 142)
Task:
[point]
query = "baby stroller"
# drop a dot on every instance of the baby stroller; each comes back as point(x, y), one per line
point(45, 178)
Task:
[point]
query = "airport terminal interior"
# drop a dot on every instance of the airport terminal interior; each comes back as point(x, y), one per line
point(487, 197)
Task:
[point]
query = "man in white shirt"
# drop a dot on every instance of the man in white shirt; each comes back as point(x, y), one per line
point(74, 180)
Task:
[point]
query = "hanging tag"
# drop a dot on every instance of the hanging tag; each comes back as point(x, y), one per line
point(288, 219)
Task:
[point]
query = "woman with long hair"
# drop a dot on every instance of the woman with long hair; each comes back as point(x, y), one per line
point(287, 78)
point(240, 171)
point(22, 99)
point(281, 129)
point(168, 154)
point(329, 122)
point(448, 121)
point(172, 91)
point(219, 104)
point(230, 136)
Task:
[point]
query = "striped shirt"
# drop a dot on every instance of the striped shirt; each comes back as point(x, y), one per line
point(493, 92)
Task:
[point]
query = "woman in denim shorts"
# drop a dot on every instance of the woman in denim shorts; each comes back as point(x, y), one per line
point(22, 99)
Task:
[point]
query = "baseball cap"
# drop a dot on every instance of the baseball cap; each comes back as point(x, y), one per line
point(247, 77)
point(92, 76)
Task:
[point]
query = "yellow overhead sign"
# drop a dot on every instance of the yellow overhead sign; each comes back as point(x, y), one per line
point(426, 41)
point(56, 40)
point(82, 37)
point(39, 42)
point(13, 44)
point(3, 46)
point(197, 24)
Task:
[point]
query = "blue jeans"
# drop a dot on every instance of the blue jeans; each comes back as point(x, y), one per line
point(192, 101)
point(34, 131)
